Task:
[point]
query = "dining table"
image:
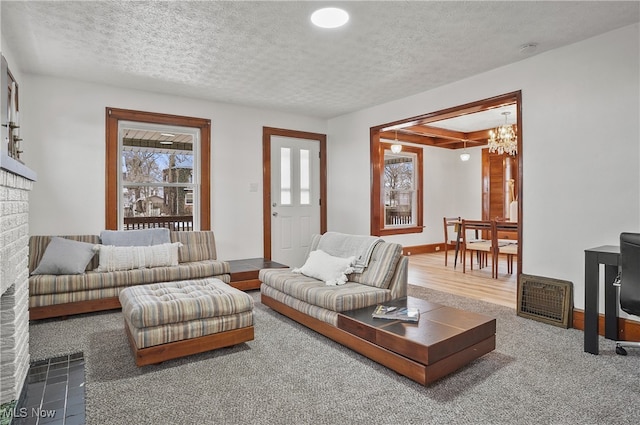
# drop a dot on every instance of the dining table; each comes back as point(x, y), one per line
point(506, 225)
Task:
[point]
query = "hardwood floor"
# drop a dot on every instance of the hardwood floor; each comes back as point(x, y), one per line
point(428, 270)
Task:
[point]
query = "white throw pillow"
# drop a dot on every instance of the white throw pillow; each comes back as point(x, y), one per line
point(332, 270)
point(114, 258)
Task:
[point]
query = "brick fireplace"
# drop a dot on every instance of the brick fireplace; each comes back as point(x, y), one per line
point(14, 299)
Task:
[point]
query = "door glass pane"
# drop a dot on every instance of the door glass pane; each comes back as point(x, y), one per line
point(305, 172)
point(285, 176)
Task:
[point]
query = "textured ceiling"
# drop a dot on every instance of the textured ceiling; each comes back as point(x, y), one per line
point(268, 55)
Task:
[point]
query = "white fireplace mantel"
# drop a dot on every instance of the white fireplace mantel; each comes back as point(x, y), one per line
point(16, 167)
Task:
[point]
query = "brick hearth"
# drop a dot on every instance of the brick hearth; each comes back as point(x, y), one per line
point(14, 302)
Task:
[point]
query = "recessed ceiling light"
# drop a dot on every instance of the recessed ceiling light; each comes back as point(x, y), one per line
point(167, 134)
point(166, 142)
point(329, 17)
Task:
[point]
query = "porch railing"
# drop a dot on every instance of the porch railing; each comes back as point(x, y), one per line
point(396, 216)
point(171, 222)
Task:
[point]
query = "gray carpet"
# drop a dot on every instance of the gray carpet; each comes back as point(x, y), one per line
point(292, 375)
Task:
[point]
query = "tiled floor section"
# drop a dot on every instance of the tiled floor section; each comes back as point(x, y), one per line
point(54, 393)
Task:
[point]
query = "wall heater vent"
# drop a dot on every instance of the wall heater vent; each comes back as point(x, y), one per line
point(546, 300)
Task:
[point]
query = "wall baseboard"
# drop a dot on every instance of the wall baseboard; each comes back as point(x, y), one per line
point(425, 249)
point(628, 330)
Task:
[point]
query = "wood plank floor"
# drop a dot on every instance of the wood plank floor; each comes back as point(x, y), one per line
point(428, 270)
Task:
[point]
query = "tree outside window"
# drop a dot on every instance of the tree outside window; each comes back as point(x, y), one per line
point(399, 189)
point(156, 183)
point(396, 195)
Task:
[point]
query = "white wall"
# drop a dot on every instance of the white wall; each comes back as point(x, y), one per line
point(467, 184)
point(64, 133)
point(581, 151)
point(452, 188)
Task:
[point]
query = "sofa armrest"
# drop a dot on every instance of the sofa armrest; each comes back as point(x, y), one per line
point(398, 285)
point(197, 245)
point(38, 245)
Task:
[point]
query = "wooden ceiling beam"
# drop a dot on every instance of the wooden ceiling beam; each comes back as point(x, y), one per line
point(479, 135)
point(435, 132)
point(408, 138)
point(417, 139)
point(446, 134)
point(390, 136)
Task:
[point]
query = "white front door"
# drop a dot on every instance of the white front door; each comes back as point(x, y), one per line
point(295, 198)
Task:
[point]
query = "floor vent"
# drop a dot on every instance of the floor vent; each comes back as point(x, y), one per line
point(546, 300)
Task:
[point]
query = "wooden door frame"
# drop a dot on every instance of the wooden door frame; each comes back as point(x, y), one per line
point(480, 105)
point(267, 133)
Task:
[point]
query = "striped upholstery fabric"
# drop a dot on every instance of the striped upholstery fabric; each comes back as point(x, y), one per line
point(58, 284)
point(197, 246)
point(156, 335)
point(381, 266)
point(175, 302)
point(398, 285)
point(70, 297)
point(331, 317)
point(38, 245)
point(336, 298)
point(167, 312)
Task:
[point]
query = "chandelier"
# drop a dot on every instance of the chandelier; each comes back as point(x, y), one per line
point(503, 138)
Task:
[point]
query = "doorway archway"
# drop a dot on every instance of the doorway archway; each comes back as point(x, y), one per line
point(420, 130)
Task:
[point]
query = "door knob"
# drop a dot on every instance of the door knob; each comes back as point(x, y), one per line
point(275, 214)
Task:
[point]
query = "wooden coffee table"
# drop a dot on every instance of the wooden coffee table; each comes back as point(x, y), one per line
point(443, 340)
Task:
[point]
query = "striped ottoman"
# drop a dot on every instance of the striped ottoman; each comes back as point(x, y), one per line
point(174, 319)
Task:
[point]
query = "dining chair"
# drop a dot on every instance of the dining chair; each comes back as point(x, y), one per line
point(483, 246)
point(451, 237)
point(508, 247)
point(629, 282)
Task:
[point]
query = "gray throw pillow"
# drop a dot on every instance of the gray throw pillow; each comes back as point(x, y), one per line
point(143, 237)
point(65, 256)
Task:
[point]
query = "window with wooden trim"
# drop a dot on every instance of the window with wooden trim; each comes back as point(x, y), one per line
point(157, 171)
point(399, 185)
point(396, 203)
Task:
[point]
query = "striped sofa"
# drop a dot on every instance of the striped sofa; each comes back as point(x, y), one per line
point(316, 305)
point(63, 295)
